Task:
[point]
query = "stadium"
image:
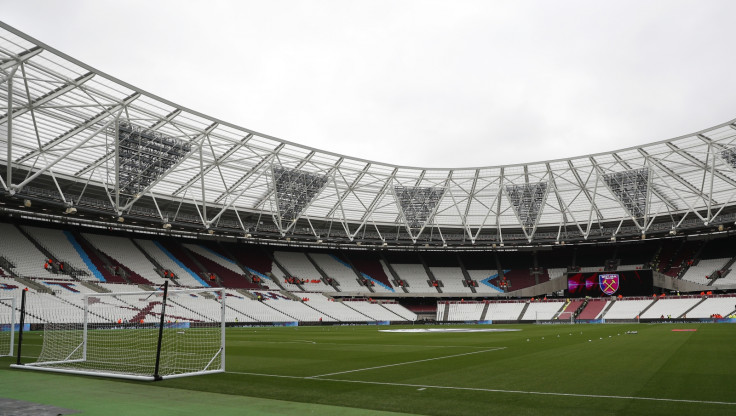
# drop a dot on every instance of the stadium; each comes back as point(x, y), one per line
point(143, 240)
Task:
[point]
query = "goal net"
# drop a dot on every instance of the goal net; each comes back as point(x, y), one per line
point(138, 335)
point(7, 325)
point(550, 318)
point(567, 317)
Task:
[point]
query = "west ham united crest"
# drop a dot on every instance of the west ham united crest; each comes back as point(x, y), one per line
point(608, 283)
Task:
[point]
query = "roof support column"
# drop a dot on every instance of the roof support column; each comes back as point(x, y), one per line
point(712, 177)
point(117, 165)
point(9, 172)
point(498, 207)
point(201, 177)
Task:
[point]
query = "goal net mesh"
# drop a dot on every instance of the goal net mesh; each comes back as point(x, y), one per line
point(8, 322)
point(117, 334)
point(566, 316)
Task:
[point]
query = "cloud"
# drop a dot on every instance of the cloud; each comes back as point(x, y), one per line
point(434, 84)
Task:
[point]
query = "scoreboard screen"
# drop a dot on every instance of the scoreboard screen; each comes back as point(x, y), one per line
point(596, 284)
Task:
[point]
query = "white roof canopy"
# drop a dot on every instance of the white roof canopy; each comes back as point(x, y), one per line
point(63, 119)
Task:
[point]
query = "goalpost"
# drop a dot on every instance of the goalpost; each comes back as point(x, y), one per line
point(148, 335)
point(566, 316)
point(7, 325)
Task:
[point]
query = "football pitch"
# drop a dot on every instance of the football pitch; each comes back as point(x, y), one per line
point(361, 370)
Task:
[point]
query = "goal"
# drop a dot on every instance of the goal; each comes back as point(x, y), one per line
point(562, 318)
point(7, 325)
point(149, 335)
point(567, 317)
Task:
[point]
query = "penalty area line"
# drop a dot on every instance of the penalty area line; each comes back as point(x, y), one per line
point(408, 362)
point(538, 393)
point(255, 341)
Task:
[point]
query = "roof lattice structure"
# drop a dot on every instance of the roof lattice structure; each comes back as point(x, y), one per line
point(527, 200)
point(73, 134)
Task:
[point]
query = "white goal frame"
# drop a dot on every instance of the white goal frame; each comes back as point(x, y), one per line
point(12, 323)
point(561, 317)
point(216, 363)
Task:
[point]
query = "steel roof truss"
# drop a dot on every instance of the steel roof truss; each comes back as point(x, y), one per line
point(199, 212)
point(304, 208)
point(659, 195)
point(104, 182)
point(456, 205)
point(256, 169)
point(564, 208)
point(379, 196)
point(109, 155)
point(197, 141)
point(374, 204)
point(690, 207)
point(471, 196)
point(260, 165)
point(705, 167)
point(584, 185)
point(41, 101)
point(498, 207)
point(472, 237)
point(305, 184)
point(99, 117)
point(351, 188)
point(407, 202)
point(678, 178)
point(62, 157)
point(21, 57)
point(527, 204)
point(9, 127)
point(378, 232)
point(343, 221)
point(724, 205)
point(299, 165)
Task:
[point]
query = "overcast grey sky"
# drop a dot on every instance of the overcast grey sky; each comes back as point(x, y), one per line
point(418, 83)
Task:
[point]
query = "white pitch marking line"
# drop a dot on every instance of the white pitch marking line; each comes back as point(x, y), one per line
point(540, 393)
point(301, 341)
point(407, 362)
point(359, 343)
point(265, 375)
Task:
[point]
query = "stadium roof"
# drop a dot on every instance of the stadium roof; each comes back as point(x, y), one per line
point(86, 139)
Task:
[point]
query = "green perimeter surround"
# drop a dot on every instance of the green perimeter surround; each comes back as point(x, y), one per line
point(97, 396)
point(655, 363)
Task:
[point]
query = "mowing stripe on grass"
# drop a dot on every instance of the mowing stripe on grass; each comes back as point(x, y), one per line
point(539, 393)
point(408, 362)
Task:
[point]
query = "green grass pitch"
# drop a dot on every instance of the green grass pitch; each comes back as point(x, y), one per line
point(538, 370)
